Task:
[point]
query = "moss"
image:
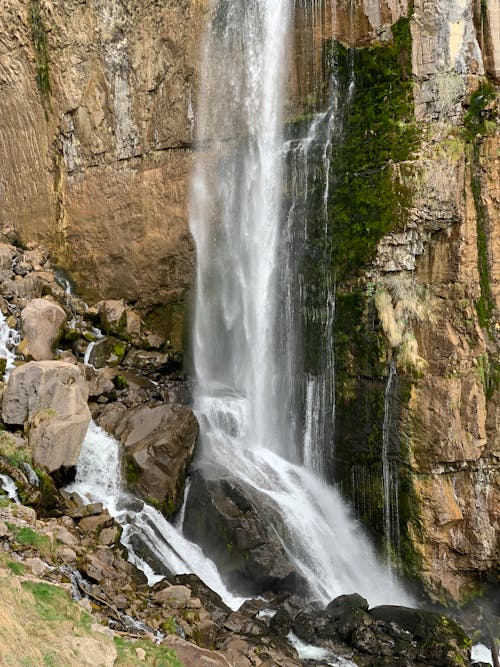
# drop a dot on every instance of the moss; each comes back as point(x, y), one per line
point(168, 626)
point(478, 116)
point(29, 537)
point(132, 473)
point(120, 381)
point(119, 350)
point(367, 198)
point(169, 320)
point(15, 567)
point(155, 655)
point(39, 37)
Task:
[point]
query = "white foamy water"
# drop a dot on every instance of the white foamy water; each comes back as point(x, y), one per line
point(9, 339)
point(310, 652)
point(243, 338)
point(99, 479)
point(481, 653)
point(8, 485)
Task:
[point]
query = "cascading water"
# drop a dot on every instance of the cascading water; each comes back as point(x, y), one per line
point(145, 529)
point(390, 476)
point(245, 343)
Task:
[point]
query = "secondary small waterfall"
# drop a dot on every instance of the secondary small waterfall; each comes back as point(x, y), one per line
point(260, 404)
point(390, 475)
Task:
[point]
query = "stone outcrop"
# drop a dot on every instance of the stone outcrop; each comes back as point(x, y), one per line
point(97, 117)
point(50, 399)
point(159, 442)
point(238, 529)
point(42, 323)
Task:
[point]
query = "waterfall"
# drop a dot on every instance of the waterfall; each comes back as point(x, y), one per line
point(247, 334)
point(390, 476)
point(153, 544)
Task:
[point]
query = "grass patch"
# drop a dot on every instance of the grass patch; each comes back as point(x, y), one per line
point(30, 538)
point(15, 567)
point(155, 655)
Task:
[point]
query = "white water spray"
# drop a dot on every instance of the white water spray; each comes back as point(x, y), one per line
point(240, 345)
point(99, 479)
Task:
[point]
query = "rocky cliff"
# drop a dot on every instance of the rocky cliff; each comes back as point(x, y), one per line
point(97, 109)
point(415, 249)
point(97, 124)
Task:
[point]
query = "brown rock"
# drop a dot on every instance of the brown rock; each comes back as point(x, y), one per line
point(42, 323)
point(160, 442)
point(50, 397)
point(194, 656)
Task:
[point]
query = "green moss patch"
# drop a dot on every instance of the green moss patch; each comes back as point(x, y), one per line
point(367, 196)
point(39, 37)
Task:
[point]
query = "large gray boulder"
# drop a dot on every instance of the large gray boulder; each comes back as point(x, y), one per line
point(159, 441)
point(239, 528)
point(50, 398)
point(42, 323)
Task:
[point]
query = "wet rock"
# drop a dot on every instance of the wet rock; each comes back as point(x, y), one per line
point(50, 398)
point(238, 528)
point(344, 603)
point(159, 442)
point(108, 351)
point(42, 323)
point(363, 639)
point(440, 640)
point(281, 623)
point(351, 620)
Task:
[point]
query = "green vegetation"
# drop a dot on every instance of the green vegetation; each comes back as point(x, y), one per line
point(15, 567)
point(478, 122)
point(120, 381)
point(367, 198)
point(29, 537)
point(155, 655)
point(39, 37)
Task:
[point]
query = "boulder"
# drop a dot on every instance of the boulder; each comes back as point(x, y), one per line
point(50, 398)
point(42, 323)
point(107, 352)
point(342, 604)
point(7, 255)
point(148, 362)
point(193, 656)
point(239, 528)
point(28, 287)
point(159, 442)
point(119, 320)
point(441, 642)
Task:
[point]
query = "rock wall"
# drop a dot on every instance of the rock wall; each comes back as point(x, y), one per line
point(96, 132)
point(425, 297)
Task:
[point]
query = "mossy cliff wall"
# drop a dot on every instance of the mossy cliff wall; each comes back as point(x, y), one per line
point(414, 250)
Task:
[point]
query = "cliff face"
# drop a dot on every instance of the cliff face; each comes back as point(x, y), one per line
point(97, 109)
point(422, 294)
point(97, 123)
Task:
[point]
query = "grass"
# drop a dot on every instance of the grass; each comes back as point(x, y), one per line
point(155, 655)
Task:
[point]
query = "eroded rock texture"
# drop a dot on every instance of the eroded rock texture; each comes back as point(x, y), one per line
point(97, 123)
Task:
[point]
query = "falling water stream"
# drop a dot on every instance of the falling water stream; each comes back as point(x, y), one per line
point(264, 419)
point(245, 349)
